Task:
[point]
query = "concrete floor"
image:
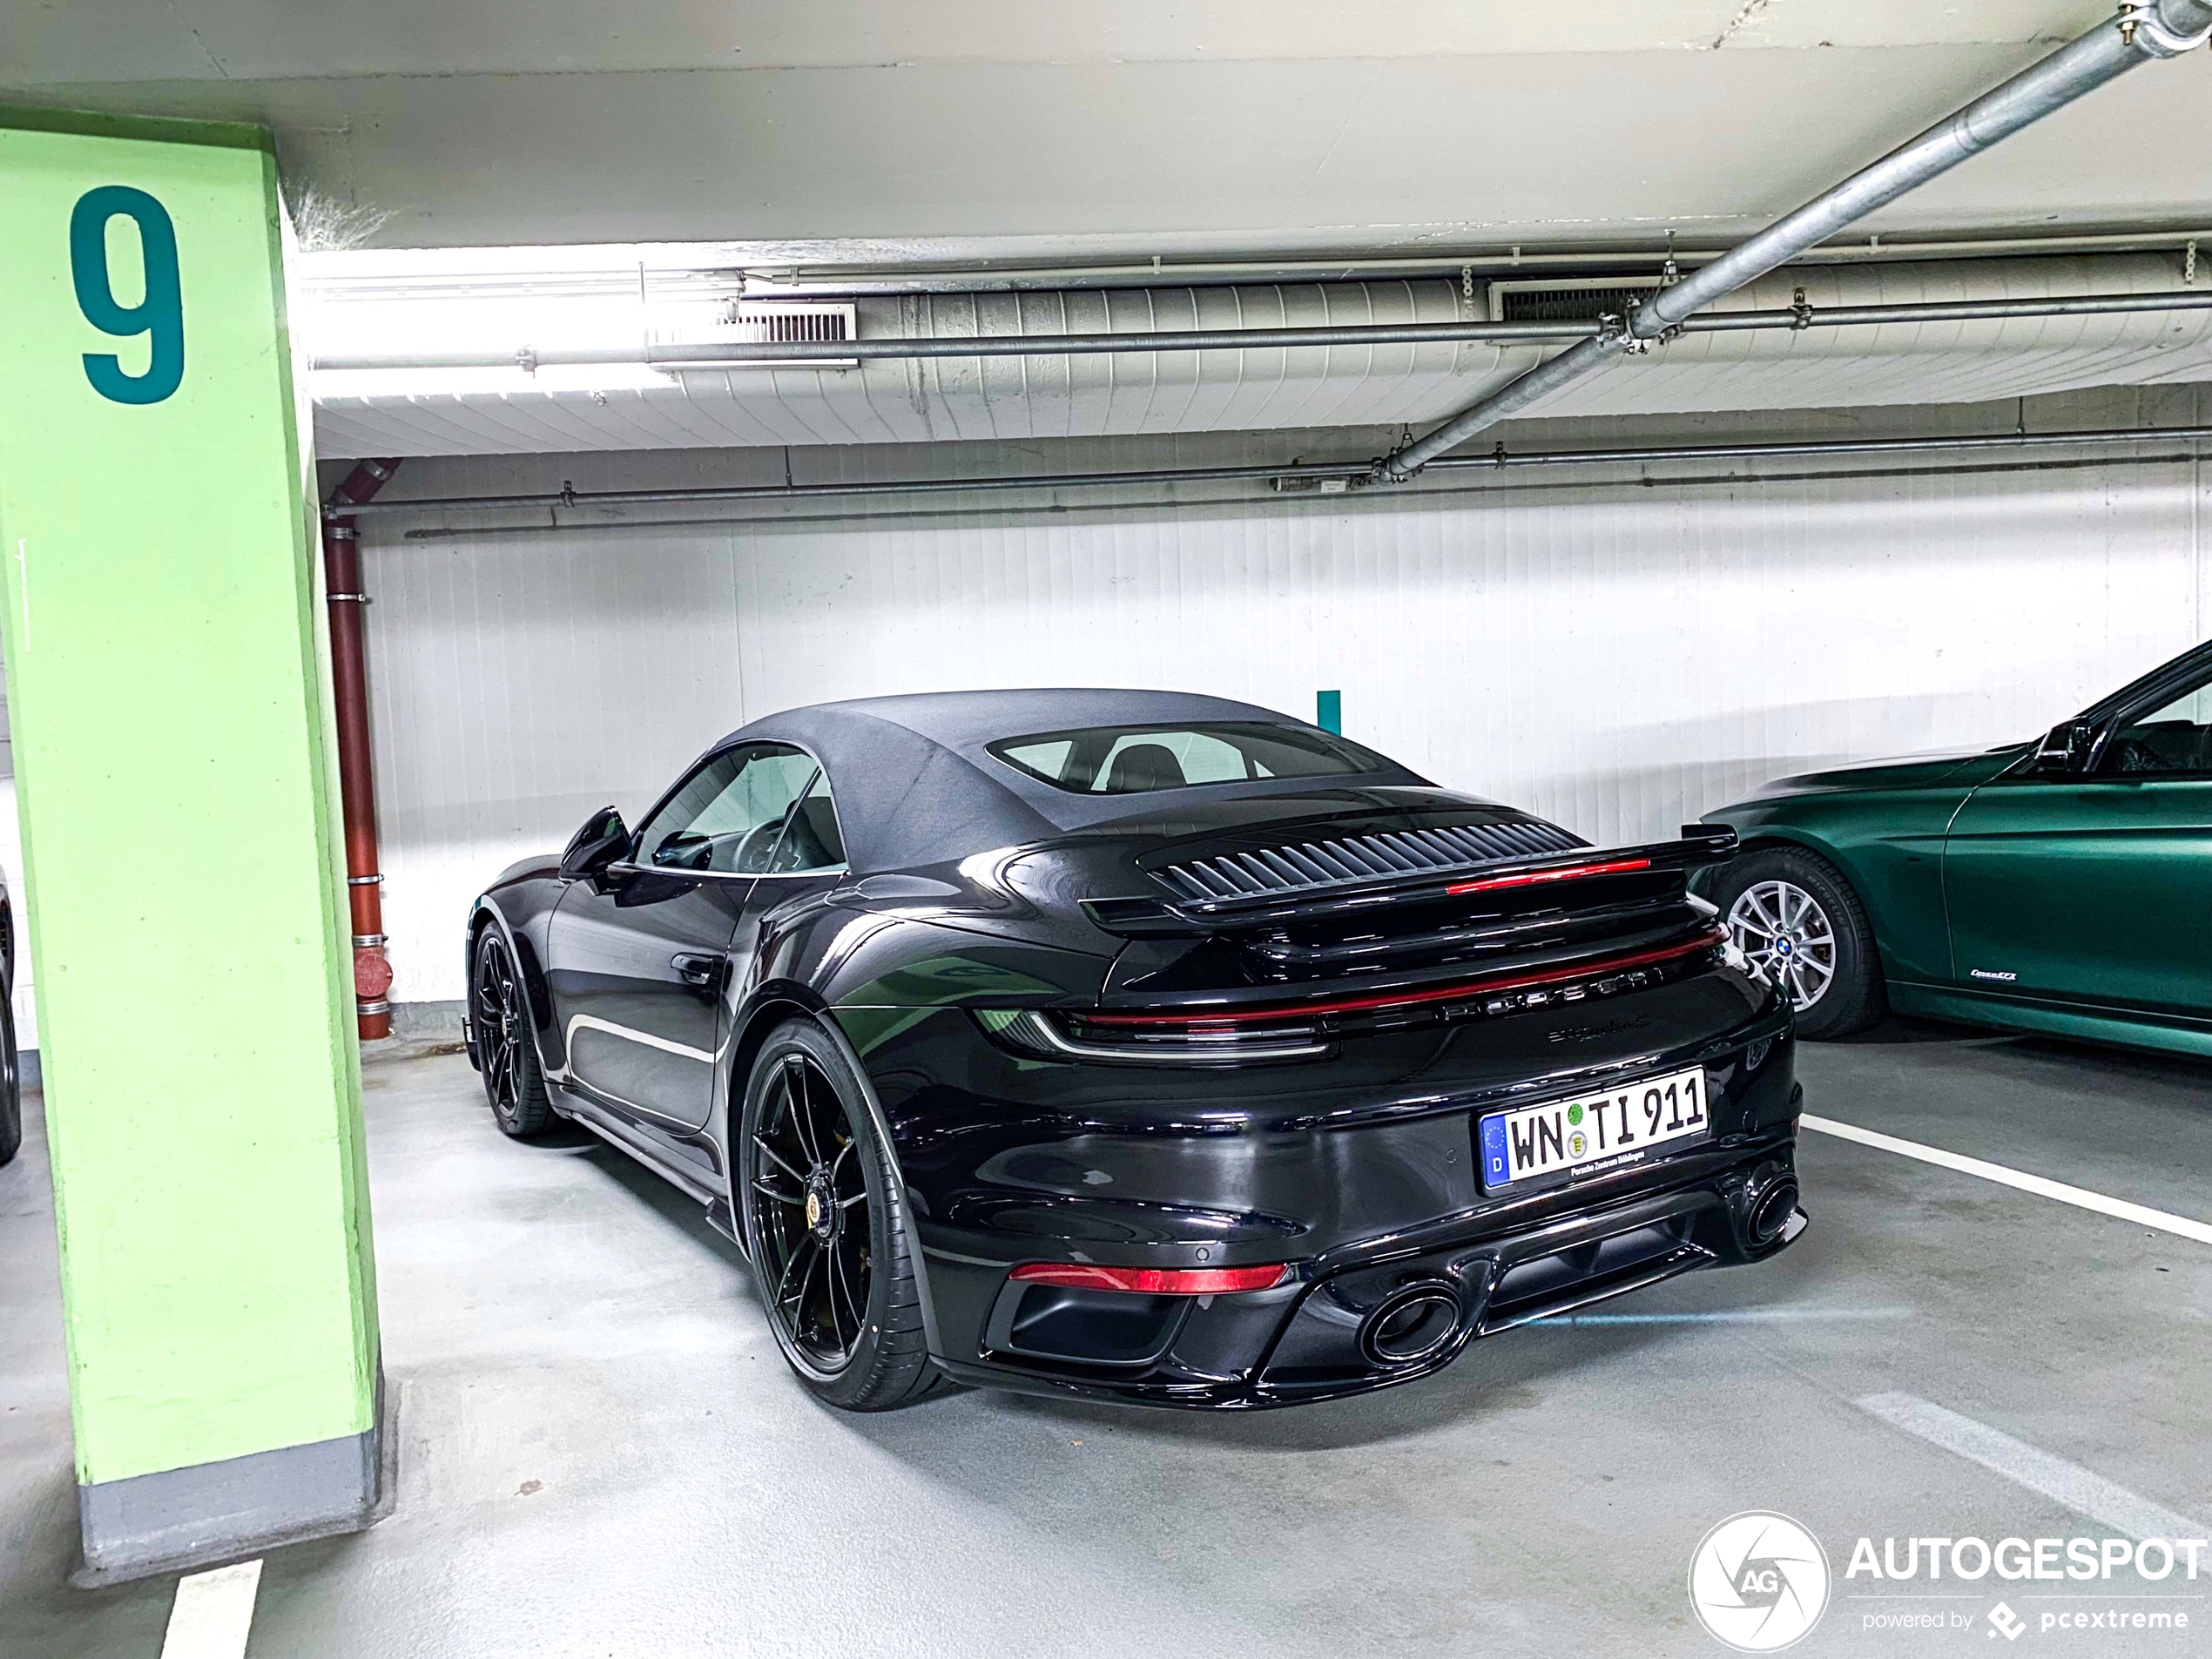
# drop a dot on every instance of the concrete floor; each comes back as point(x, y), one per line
point(601, 1454)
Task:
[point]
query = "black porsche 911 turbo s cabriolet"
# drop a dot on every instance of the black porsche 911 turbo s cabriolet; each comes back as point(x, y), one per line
point(1140, 1045)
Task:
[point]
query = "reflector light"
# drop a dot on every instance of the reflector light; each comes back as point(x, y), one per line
point(1153, 1281)
point(1596, 967)
point(1536, 878)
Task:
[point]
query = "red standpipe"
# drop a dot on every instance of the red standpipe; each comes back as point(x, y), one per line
point(342, 566)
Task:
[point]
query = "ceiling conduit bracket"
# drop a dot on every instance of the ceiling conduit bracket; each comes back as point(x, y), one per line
point(2147, 26)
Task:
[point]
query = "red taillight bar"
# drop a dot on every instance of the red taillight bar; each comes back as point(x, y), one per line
point(1153, 1281)
point(1415, 998)
point(1570, 873)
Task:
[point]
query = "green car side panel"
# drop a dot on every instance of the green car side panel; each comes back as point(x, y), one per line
point(2093, 890)
point(1883, 826)
point(2095, 893)
point(1892, 854)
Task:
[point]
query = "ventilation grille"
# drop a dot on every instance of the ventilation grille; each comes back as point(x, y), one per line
point(722, 335)
point(1559, 302)
point(1313, 866)
point(774, 324)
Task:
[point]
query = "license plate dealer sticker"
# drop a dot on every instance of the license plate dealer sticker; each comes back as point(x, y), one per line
point(1592, 1131)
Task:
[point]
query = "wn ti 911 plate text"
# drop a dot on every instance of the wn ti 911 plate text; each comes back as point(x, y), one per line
point(1620, 1126)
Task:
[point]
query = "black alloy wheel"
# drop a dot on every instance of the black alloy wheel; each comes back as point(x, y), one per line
point(826, 1235)
point(11, 1080)
point(816, 1254)
point(507, 1055)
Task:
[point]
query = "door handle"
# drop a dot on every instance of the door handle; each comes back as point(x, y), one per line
point(705, 972)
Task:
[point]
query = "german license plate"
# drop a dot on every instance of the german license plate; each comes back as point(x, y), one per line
point(1591, 1132)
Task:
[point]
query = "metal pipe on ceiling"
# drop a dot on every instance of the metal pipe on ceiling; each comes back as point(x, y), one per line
point(799, 354)
point(1292, 478)
point(735, 519)
point(2158, 29)
point(835, 281)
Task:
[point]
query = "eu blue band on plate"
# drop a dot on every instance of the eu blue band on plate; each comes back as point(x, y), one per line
point(1493, 1150)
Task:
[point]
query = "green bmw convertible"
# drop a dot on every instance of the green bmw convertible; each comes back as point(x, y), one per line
point(2063, 886)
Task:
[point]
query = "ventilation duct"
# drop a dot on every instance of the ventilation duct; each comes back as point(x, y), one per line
point(510, 410)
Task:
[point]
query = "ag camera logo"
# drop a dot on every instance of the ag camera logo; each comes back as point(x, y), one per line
point(1758, 1581)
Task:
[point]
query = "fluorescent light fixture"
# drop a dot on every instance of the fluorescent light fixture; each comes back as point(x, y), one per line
point(382, 323)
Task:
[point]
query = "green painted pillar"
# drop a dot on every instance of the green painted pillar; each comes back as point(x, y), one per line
point(168, 685)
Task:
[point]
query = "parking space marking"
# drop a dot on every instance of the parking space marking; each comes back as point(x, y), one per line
point(2083, 1491)
point(212, 1613)
point(2143, 1215)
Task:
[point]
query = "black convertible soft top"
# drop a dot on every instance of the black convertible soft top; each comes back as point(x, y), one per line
point(915, 784)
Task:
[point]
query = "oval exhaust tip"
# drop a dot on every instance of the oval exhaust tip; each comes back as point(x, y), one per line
point(1772, 1211)
point(1410, 1327)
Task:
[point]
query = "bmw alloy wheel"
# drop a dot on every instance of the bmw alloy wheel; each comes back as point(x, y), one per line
point(1788, 937)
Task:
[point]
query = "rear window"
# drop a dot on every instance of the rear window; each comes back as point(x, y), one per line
point(1129, 760)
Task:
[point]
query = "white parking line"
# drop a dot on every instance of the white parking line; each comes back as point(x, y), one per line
point(2083, 1491)
point(212, 1614)
point(2140, 1214)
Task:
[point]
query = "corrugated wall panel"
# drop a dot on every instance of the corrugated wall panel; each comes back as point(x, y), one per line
point(1618, 657)
point(516, 687)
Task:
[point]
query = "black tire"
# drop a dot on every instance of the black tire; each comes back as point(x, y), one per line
point(1756, 895)
point(841, 1298)
point(11, 1080)
point(499, 1007)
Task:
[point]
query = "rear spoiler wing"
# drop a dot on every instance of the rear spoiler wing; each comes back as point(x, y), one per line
point(1150, 916)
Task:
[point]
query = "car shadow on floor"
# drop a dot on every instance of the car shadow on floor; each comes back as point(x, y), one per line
point(1496, 1376)
point(1897, 1029)
point(1495, 1380)
point(2099, 1063)
point(666, 1200)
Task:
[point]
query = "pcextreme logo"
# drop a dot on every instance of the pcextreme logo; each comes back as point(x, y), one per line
point(1758, 1581)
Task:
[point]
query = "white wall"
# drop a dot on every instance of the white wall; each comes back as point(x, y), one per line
point(1618, 657)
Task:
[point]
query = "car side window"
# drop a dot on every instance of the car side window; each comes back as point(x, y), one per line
point(812, 840)
point(2175, 739)
point(728, 816)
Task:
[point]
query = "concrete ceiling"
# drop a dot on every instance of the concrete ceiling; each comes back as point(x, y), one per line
point(79, 40)
point(907, 130)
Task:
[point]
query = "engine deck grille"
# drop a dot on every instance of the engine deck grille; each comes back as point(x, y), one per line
point(1308, 866)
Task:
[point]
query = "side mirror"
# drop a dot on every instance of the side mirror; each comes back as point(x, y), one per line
point(2065, 748)
point(603, 838)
